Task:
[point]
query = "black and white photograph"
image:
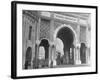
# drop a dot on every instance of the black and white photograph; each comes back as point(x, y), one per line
point(53, 39)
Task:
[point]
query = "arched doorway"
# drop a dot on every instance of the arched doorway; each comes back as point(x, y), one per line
point(28, 57)
point(68, 37)
point(45, 44)
point(43, 53)
point(83, 53)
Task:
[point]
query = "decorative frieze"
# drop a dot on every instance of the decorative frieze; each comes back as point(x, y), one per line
point(66, 18)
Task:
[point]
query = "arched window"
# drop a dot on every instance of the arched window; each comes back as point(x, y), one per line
point(30, 32)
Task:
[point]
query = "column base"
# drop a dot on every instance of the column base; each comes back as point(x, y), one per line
point(77, 62)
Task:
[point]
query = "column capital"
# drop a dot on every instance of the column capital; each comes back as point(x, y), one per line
point(37, 42)
point(87, 45)
point(51, 43)
point(78, 45)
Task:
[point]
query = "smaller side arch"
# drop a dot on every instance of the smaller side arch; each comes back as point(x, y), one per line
point(45, 43)
point(28, 57)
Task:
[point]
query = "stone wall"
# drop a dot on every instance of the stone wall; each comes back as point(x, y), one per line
point(28, 22)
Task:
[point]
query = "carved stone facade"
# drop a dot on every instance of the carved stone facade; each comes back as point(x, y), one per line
point(45, 29)
point(28, 21)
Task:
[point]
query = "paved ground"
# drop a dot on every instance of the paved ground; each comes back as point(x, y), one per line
point(65, 66)
point(62, 66)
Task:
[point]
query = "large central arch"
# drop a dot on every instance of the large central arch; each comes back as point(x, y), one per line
point(68, 36)
point(64, 29)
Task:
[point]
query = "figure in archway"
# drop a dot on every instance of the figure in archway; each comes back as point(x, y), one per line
point(59, 50)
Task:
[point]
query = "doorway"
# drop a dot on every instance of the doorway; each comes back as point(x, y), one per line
point(28, 58)
point(67, 36)
point(45, 44)
point(44, 48)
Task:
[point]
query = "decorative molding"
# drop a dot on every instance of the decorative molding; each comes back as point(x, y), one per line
point(31, 14)
point(66, 18)
point(47, 14)
point(64, 25)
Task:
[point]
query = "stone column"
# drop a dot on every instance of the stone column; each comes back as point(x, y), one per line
point(77, 49)
point(52, 28)
point(78, 61)
point(87, 43)
point(51, 38)
point(53, 54)
point(76, 55)
point(36, 53)
point(37, 42)
point(87, 54)
point(50, 54)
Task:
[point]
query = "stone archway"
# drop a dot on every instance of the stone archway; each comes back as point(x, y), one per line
point(66, 26)
point(45, 43)
point(68, 36)
point(83, 53)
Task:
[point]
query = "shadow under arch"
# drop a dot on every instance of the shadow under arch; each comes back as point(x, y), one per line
point(83, 53)
point(69, 38)
point(62, 27)
point(45, 43)
point(28, 57)
point(66, 35)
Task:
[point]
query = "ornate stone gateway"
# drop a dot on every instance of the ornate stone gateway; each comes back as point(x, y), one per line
point(40, 33)
point(68, 36)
